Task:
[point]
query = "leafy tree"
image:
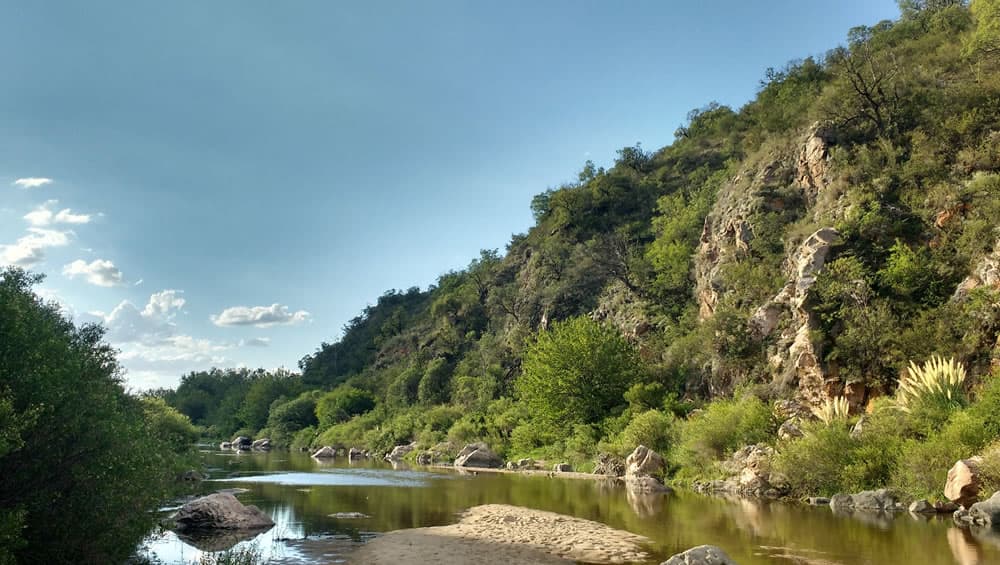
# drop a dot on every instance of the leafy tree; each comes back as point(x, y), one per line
point(341, 404)
point(576, 373)
point(986, 37)
point(75, 450)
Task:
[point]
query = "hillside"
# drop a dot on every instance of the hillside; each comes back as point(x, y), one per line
point(805, 247)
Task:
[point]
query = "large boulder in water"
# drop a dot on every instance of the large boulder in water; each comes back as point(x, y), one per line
point(962, 486)
point(262, 444)
point(220, 511)
point(478, 455)
point(242, 443)
point(701, 555)
point(985, 513)
point(400, 451)
point(643, 467)
point(325, 453)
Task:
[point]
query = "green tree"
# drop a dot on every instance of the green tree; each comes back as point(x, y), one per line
point(341, 404)
point(75, 451)
point(576, 372)
point(986, 37)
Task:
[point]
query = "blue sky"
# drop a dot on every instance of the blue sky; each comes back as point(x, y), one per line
point(227, 183)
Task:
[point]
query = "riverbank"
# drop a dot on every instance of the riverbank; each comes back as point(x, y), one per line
point(499, 533)
point(529, 472)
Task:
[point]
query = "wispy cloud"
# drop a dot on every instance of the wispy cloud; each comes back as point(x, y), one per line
point(255, 342)
point(29, 250)
point(100, 272)
point(44, 215)
point(32, 182)
point(259, 316)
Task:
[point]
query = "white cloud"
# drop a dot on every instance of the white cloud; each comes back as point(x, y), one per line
point(100, 272)
point(259, 316)
point(32, 182)
point(255, 342)
point(29, 250)
point(44, 215)
point(152, 324)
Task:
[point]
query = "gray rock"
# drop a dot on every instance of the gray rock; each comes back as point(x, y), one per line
point(701, 555)
point(225, 445)
point(841, 502)
point(326, 452)
point(562, 468)
point(425, 458)
point(349, 516)
point(356, 453)
point(922, 507)
point(817, 500)
point(192, 476)
point(220, 511)
point(877, 500)
point(262, 444)
point(400, 451)
point(987, 512)
point(609, 465)
point(643, 467)
point(478, 455)
point(242, 443)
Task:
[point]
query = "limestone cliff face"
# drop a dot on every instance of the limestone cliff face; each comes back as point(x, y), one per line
point(803, 172)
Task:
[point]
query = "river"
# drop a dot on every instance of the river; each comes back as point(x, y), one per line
point(304, 496)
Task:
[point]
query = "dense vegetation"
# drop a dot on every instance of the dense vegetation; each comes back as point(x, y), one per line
point(82, 461)
point(630, 301)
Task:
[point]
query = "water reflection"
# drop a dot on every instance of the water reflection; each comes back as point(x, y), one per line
point(305, 498)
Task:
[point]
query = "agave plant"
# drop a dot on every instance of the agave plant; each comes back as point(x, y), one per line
point(939, 380)
point(832, 410)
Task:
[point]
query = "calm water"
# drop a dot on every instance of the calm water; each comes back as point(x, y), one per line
point(302, 495)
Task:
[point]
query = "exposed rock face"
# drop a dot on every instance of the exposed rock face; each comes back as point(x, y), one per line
point(882, 500)
point(400, 451)
point(986, 273)
point(609, 465)
point(242, 443)
point(478, 455)
point(562, 468)
point(642, 467)
point(985, 513)
point(263, 444)
point(625, 310)
point(701, 555)
point(325, 453)
point(811, 169)
point(790, 429)
point(750, 475)
point(220, 511)
point(962, 486)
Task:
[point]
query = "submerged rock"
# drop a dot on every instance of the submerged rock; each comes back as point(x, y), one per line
point(478, 455)
point(701, 555)
point(220, 511)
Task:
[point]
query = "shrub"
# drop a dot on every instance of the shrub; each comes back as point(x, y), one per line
point(341, 404)
point(723, 427)
point(925, 462)
point(652, 428)
point(833, 410)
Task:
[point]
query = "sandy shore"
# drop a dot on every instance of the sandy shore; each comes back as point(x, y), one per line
point(502, 534)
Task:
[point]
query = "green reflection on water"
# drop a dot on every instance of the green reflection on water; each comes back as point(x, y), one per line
point(751, 532)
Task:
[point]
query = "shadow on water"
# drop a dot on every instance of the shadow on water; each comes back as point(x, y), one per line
point(322, 511)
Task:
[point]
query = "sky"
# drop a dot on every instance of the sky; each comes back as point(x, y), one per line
point(227, 183)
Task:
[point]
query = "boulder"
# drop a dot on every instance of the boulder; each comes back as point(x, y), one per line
point(642, 469)
point(326, 452)
point(841, 502)
point(882, 500)
point(790, 429)
point(610, 465)
point(425, 458)
point(242, 443)
point(400, 451)
point(356, 453)
point(192, 476)
point(225, 445)
point(962, 486)
point(922, 507)
point(220, 511)
point(262, 444)
point(701, 555)
point(478, 455)
point(526, 463)
point(859, 427)
point(817, 500)
point(750, 474)
point(987, 512)
point(562, 468)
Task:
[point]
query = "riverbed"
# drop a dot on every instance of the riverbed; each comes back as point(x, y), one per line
point(324, 511)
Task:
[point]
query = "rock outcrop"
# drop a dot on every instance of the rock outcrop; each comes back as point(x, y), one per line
point(882, 500)
point(750, 475)
point(701, 555)
point(325, 452)
point(962, 486)
point(985, 273)
point(220, 511)
point(400, 451)
point(478, 455)
point(812, 167)
point(643, 467)
point(609, 465)
point(985, 513)
point(242, 443)
point(263, 444)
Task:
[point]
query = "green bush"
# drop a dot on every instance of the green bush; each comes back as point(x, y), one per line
point(342, 404)
point(652, 428)
point(720, 429)
point(925, 462)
